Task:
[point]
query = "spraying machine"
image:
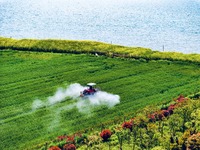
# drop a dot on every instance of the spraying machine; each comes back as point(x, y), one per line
point(89, 91)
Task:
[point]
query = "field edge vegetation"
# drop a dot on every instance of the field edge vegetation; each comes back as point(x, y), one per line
point(93, 47)
point(169, 126)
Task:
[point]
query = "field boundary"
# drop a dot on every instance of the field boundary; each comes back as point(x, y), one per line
point(95, 48)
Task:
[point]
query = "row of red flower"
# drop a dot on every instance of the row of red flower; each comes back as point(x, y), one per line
point(158, 115)
point(65, 147)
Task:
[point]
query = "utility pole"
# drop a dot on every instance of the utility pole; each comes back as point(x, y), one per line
point(163, 47)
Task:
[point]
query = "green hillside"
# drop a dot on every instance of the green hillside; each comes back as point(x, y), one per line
point(27, 76)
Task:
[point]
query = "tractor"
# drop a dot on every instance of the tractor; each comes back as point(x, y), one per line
point(89, 91)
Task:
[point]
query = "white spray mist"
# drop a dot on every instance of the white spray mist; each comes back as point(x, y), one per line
point(37, 104)
point(73, 92)
point(84, 105)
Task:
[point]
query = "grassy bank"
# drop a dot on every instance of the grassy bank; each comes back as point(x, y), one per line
point(92, 47)
point(27, 76)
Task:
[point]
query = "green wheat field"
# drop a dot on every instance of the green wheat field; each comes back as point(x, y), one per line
point(27, 76)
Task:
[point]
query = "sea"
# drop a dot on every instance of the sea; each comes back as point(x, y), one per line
point(162, 25)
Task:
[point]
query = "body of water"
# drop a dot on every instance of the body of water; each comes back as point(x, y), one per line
point(172, 25)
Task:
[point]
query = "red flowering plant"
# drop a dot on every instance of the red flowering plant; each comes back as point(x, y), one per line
point(70, 140)
point(54, 148)
point(171, 109)
point(165, 113)
point(62, 137)
point(155, 114)
point(69, 147)
point(128, 125)
point(158, 115)
point(105, 134)
point(161, 116)
point(152, 118)
point(181, 98)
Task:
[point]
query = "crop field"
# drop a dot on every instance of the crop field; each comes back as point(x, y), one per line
point(28, 76)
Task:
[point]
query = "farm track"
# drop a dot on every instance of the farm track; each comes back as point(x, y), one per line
point(26, 76)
